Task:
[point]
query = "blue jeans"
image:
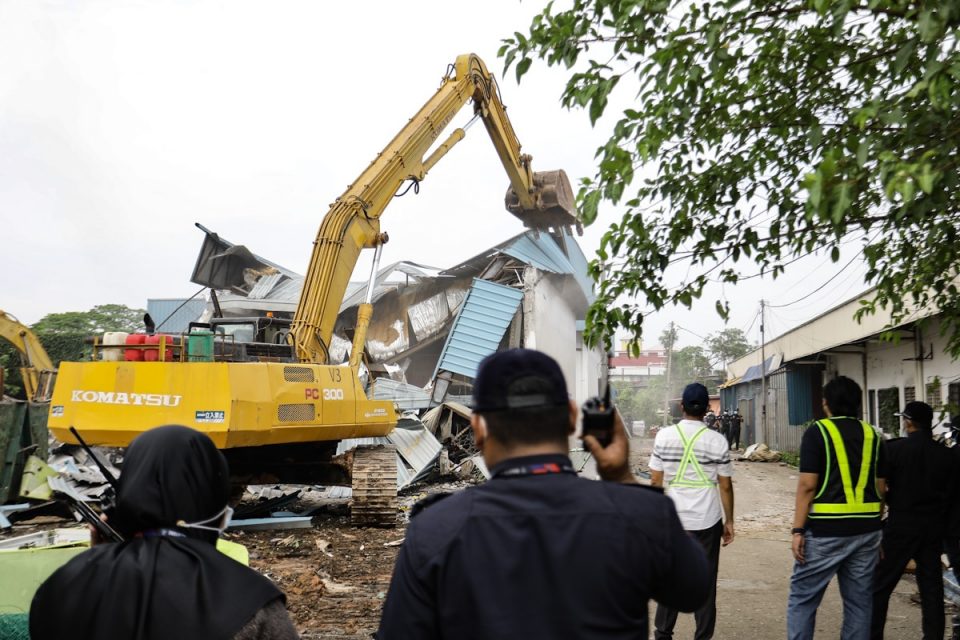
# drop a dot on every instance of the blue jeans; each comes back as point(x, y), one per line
point(852, 559)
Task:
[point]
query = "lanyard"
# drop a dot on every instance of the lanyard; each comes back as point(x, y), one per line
point(542, 469)
point(161, 533)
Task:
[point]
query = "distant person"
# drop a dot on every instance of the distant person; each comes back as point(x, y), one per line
point(736, 421)
point(167, 580)
point(921, 490)
point(538, 552)
point(710, 419)
point(725, 425)
point(693, 462)
point(836, 522)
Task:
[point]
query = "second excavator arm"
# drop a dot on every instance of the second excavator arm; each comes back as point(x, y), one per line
point(540, 200)
point(33, 354)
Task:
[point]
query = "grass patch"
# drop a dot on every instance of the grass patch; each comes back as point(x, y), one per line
point(792, 458)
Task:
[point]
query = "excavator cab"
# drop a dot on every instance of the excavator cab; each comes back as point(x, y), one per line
point(555, 207)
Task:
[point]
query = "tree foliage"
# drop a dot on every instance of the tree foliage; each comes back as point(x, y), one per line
point(691, 364)
point(104, 317)
point(728, 345)
point(761, 132)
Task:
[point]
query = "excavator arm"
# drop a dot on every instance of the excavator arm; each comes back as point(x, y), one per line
point(35, 358)
point(540, 200)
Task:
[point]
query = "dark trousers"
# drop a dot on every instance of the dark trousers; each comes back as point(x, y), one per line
point(734, 437)
point(706, 616)
point(899, 547)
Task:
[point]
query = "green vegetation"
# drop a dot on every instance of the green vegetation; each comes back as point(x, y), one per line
point(758, 132)
point(62, 336)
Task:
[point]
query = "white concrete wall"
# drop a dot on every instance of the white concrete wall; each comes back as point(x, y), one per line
point(552, 304)
point(834, 328)
point(895, 365)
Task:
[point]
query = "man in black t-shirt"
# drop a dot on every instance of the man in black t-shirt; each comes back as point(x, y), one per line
point(735, 421)
point(836, 526)
point(921, 482)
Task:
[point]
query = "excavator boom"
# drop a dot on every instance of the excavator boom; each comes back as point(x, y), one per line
point(35, 358)
point(540, 200)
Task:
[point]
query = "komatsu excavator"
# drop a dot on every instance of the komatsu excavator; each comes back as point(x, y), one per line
point(280, 417)
point(36, 368)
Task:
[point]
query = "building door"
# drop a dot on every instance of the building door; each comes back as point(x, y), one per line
point(749, 428)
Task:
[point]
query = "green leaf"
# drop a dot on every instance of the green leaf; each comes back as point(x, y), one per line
point(862, 150)
point(522, 67)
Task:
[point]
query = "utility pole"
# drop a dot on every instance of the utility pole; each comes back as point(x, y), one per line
point(763, 376)
point(666, 390)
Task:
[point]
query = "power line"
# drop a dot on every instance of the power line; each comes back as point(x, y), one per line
point(829, 280)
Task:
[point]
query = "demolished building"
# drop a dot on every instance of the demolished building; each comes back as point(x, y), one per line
point(431, 327)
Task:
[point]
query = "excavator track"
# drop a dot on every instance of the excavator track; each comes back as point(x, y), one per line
point(374, 486)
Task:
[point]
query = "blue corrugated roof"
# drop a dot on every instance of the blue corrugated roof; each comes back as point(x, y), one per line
point(483, 319)
point(544, 253)
point(161, 309)
point(754, 372)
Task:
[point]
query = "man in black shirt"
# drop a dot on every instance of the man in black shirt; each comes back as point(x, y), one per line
point(836, 525)
point(735, 421)
point(921, 485)
point(538, 552)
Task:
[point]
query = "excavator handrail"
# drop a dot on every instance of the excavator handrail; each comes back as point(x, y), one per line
point(353, 221)
point(26, 342)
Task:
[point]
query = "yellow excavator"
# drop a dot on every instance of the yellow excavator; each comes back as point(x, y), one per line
point(36, 368)
point(282, 418)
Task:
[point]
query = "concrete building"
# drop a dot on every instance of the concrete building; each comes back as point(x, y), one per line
point(637, 371)
point(892, 365)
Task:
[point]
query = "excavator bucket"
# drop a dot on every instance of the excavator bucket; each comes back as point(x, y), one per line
point(554, 202)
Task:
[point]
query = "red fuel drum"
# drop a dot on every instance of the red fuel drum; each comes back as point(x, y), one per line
point(152, 355)
point(134, 355)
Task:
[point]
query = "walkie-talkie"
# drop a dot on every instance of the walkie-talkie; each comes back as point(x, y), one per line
point(598, 418)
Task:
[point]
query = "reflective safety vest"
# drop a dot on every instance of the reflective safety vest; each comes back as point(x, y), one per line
point(838, 497)
point(689, 459)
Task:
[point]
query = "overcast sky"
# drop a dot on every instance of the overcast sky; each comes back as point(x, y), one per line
point(123, 123)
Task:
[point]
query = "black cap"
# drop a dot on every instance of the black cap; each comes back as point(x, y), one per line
point(518, 379)
point(695, 397)
point(919, 413)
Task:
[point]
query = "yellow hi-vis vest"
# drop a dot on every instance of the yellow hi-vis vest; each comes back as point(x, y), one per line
point(688, 459)
point(844, 499)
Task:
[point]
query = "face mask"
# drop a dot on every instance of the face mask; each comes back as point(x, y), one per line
point(224, 514)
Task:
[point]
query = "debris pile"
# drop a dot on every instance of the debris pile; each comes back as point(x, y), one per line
point(760, 453)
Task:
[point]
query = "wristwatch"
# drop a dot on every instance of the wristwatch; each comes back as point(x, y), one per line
point(797, 530)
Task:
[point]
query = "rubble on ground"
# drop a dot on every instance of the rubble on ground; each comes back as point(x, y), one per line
point(760, 452)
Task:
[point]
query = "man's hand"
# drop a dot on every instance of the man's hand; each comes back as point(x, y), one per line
point(613, 461)
point(95, 537)
point(727, 533)
point(798, 543)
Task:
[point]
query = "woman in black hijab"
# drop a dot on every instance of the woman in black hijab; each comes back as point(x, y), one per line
point(167, 579)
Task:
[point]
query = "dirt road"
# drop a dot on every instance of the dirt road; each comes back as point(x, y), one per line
point(755, 570)
point(336, 577)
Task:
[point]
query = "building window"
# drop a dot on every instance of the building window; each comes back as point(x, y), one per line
point(953, 396)
point(888, 401)
point(933, 394)
point(909, 394)
point(872, 406)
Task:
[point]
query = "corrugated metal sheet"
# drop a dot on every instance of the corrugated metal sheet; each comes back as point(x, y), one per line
point(416, 451)
point(580, 266)
point(418, 447)
point(160, 310)
point(479, 327)
point(265, 285)
point(406, 396)
point(543, 253)
point(754, 372)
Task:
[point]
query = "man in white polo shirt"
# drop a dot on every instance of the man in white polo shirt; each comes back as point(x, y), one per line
point(693, 463)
